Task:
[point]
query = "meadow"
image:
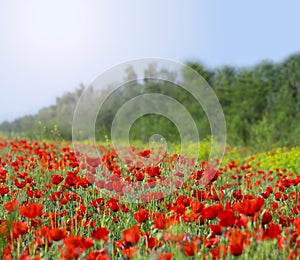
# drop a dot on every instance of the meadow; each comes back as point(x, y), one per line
point(55, 208)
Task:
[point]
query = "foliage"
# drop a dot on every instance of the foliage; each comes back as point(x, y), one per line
point(261, 106)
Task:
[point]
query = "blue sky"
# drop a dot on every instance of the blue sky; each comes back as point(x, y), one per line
point(50, 47)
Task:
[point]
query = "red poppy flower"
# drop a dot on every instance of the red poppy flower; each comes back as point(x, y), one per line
point(226, 218)
point(97, 255)
point(281, 243)
point(249, 206)
point(160, 221)
point(152, 242)
point(100, 233)
point(237, 194)
point(100, 184)
point(19, 228)
point(295, 210)
point(55, 196)
point(211, 212)
point(272, 231)
point(277, 195)
point(97, 202)
point(31, 210)
point(130, 252)
point(197, 206)
point(139, 176)
point(236, 242)
point(75, 246)
point(132, 235)
point(91, 178)
point(3, 229)
point(141, 216)
point(22, 175)
point(113, 204)
point(218, 252)
point(211, 242)
point(57, 234)
point(153, 171)
point(297, 225)
point(274, 205)
point(176, 208)
point(72, 181)
point(216, 229)
point(57, 179)
point(285, 221)
point(183, 200)
point(3, 190)
point(265, 195)
point(165, 256)
point(3, 174)
point(190, 216)
point(11, 206)
point(21, 184)
point(83, 182)
point(241, 221)
point(190, 248)
point(25, 257)
point(267, 217)
point(145, 153)
point(94, 162)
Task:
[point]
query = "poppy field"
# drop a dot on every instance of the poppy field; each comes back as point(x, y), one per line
point(52, 207)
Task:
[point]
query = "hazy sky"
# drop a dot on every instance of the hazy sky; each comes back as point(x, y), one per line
point(50, 47)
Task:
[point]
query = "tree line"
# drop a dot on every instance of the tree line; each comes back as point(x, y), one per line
point(261, 104)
